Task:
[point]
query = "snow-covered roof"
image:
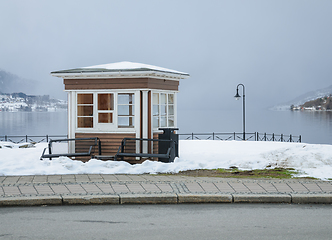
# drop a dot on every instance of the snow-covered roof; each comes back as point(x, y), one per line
point(121, 69)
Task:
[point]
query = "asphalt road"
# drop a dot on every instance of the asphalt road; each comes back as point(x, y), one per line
point(182, 221)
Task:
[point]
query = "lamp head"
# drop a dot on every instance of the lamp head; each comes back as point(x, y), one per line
point(237, 96)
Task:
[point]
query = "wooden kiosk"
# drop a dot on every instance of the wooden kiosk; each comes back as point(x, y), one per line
point(120, 100)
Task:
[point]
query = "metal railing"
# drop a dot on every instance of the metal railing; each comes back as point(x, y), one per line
point(27, 138)
point(256, 136)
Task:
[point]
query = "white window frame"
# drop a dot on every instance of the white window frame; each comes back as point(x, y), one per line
point(167, 112)
point(108, 127)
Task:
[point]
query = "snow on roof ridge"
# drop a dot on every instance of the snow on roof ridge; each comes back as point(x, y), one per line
point(125, 65)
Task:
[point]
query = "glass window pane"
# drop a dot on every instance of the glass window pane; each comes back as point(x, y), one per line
point(171, 109)
point(163, 109)
point(163, 98)
point(163, 121)
point(170, 121)
point(125, 122)
point(85, 122)
point(124, 110)
point(156, 121)
point(125, 98)
point(155, 110)
point(156, 98)
point(84, 110)
point(105, 101)
point(105, 117)
point(170, 98)
point(85, 98)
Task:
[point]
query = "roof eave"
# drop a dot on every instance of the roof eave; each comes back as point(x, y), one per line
point(121, 74)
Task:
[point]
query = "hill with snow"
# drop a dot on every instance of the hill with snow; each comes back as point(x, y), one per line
point(12, 83)
point(300, 100)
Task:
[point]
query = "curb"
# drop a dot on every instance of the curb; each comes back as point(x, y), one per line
point(262, 198)
point(166, 198)
point(31, 201)
point(311, 198)
point(204, 198)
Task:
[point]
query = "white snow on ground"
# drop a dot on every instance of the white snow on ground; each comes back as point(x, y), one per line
point(314, 160)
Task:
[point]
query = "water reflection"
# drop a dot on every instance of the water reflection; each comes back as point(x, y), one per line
point(315, 127)
point(33, 123)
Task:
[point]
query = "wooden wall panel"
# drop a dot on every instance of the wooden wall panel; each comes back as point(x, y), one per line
point(110, 142)
point(120, 83)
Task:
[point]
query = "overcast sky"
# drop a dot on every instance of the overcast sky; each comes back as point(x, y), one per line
point(278, 49)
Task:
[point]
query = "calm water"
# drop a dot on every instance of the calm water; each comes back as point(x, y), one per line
point(315, 127)
point(33, 123)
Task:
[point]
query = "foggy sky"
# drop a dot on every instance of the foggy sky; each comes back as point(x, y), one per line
point(278, 49)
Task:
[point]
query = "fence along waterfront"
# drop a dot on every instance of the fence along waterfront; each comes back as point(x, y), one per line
point(182, 136)
point(239, 136)
point(26, 138)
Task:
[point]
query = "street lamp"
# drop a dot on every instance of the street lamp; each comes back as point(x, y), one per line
point(237, 97)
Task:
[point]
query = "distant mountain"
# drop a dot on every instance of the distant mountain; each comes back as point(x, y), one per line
point(12, 83)
point(300, 100)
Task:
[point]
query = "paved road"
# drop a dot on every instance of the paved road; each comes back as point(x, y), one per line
point(184, 221)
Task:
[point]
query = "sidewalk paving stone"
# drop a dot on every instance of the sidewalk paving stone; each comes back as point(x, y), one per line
point(119, 188)
point(59, 189)
point(150, 187)
point(326, 187)
point(27, 190)
point(208, 187)
point(91, 188)
point(135, 188)
point(11, 180)
point(224, 187)
point(11, 190)
point(268, 187)
point(44, 189)
point(105, 187)
point(2, 178)
point(25, 179)
point(40, 179)
point(297, 187)
point(164, 187)
point(75, 188)
point(239, 187)
point(156, 189)
point(254, 187)
point(194, 187)
point(312, 187)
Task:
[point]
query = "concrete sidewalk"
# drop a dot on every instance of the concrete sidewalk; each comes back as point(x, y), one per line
point(156, 189)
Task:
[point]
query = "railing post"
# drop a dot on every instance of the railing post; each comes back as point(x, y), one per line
point(290, 138)
point(272, 137)
point(192, 136)
point(300, 140)
point(282, 137)
point(234, 135)
point(26, 138)
point(46, 138)
point(213, 136)
point(6, 138)
point(265, 137)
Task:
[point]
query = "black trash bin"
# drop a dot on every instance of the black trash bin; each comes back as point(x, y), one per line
point(163, 146)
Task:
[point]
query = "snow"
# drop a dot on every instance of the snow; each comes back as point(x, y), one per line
point(312, 160)
point(132, 66)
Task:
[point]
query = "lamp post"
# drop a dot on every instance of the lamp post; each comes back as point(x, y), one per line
point(237, 97)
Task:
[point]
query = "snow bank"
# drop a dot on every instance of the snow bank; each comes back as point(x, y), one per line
point(314, 160)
